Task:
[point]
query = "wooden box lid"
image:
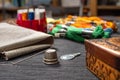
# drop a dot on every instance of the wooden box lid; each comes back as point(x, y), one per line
point(107, 50)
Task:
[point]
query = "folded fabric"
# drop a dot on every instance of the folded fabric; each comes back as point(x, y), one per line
point(16, 41)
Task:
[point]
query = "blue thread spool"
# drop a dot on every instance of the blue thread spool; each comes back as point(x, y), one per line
point(31, 14)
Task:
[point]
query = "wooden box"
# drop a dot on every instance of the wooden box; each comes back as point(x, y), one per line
point(103, 58)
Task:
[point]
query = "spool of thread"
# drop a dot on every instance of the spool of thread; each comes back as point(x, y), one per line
point(19, 14)
point(42, 13)
point(25, 14)
point(43, 22)
point(31, 14)
point(37, 14)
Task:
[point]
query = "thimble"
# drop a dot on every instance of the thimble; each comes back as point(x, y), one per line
point(50, 57)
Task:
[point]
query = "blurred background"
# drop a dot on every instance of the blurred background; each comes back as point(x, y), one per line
point(60, 8)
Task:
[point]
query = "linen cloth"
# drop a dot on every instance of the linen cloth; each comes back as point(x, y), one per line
point(16, 41)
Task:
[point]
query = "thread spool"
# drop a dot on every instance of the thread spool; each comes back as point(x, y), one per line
point(25, 14)
point(31, 14)
point(43, 22)
point(19, 14)
point(37, 14)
